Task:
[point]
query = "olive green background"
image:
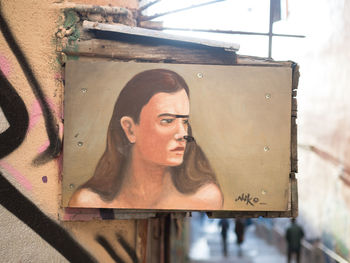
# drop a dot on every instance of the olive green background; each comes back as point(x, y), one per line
point(240, 116)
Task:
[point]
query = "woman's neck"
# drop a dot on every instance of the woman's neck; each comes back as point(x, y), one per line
point(145, 182)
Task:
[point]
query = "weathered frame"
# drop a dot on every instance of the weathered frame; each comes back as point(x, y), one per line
point(122, 47)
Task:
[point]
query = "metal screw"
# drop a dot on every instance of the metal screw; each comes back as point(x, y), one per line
point(264, 192)
point(80, 144)
point(200, 75)
point(266, 148)
point(267, 95)
point(83, 90)
point(71, 186)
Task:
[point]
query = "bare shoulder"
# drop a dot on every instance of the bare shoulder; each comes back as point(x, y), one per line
point(84, 197)
point(209, 197)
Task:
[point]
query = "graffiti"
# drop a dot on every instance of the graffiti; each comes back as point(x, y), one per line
point(129, 250)
point(108, 247)
point(54, 147)
point(16, 203)
point(16, 114)
point(104, 243)
point(5, 65)
point(30, 136)
point(17, 175)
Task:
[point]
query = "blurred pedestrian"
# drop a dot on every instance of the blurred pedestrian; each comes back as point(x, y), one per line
point(239, 230)
point(224, 224)
point(294, 235)
point(202, 217)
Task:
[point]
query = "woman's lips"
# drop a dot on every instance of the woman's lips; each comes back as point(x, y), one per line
point(178, 149)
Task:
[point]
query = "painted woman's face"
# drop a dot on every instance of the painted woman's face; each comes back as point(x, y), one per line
point(162, 127)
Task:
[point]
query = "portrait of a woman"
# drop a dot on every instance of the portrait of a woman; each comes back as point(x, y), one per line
point(151, 160)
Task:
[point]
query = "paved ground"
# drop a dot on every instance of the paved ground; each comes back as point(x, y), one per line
point(206, 245)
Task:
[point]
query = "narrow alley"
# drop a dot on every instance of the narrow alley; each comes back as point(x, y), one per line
point(206, 244)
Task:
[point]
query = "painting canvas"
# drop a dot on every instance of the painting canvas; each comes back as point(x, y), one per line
point(176, 137)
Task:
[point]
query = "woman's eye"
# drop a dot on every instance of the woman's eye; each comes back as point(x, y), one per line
point(166, 121)
point(185, 122)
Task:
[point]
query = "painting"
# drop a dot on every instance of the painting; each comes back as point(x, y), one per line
point(176, 137)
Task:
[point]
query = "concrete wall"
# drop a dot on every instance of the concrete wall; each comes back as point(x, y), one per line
point(31, 130)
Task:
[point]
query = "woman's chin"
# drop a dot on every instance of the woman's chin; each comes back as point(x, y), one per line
point(175, 161)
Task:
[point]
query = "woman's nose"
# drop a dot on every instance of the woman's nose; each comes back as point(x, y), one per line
point(181, 130)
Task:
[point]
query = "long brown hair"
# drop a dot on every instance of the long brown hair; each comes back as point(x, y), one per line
point(195, 170)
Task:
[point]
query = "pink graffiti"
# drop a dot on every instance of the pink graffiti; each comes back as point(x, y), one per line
point(5, 66)
point(43, 147)
point(36, 113)
point(17, 175)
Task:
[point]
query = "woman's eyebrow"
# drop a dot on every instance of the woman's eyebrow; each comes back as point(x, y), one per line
point(173, 115)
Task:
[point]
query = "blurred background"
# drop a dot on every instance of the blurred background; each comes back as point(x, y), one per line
point(318, 39)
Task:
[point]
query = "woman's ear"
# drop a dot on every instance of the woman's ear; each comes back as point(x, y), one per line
point(128, 126)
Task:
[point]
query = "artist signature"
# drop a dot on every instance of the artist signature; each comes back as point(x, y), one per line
point(247, 199)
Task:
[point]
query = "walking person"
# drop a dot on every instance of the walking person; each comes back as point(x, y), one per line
point(294, 235)
point(239, 230)
point(224, 224)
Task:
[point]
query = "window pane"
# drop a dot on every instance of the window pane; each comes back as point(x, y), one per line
point(288, 48)
point(253, 45)
point(249, 44)
point(237, 15)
